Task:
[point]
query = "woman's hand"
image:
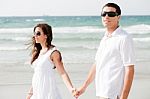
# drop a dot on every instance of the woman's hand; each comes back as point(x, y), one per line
point(75, 93)
point(80, 91)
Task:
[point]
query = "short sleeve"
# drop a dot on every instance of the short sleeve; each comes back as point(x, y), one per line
point(127, 51)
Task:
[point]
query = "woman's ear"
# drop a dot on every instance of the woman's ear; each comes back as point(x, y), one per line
point(45, 36)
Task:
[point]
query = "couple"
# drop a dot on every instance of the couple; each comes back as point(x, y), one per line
point(113, 69)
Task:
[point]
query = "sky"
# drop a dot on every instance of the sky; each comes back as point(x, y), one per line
point(69, 7)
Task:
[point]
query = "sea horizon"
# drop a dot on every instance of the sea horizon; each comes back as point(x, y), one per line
point(64, 15)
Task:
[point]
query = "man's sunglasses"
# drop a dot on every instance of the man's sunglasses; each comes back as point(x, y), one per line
point(37, 33)
point(110, 14)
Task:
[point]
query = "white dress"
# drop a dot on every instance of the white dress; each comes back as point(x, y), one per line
point(43, 81)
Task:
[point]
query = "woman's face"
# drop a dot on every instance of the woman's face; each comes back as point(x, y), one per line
point(40, 37)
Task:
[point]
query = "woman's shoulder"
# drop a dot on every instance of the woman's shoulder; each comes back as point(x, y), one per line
point(52, 46)
point(55, 54)
point(54, 49)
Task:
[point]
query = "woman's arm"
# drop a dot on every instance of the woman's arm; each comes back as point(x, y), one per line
point(57, 60)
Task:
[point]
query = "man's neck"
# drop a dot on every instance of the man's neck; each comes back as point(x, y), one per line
point(111, 29)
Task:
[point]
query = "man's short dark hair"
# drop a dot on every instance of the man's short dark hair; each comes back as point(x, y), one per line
point(118, 10)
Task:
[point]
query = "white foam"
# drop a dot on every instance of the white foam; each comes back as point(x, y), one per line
point(11, 48)
point(138, 29)
point(135, 29)
point(15, 38)
point(82, 29)
point(38, 20)
point(16, 30)
point(147, 39)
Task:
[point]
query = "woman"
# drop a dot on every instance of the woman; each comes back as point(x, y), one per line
point(45, 58)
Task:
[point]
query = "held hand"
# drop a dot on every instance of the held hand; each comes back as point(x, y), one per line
point(74, 93)
point(80, 91)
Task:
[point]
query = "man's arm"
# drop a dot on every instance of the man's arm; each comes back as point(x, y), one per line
point(128, 79)
point(89, 79)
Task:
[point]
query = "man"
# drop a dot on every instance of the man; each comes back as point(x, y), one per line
point(114, 62)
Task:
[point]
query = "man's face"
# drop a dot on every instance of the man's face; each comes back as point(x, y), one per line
point(110, 18)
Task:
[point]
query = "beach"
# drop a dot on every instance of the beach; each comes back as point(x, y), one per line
point(17, 84)
point(77, 38)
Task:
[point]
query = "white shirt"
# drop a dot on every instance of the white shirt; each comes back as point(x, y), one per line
point(114, 53)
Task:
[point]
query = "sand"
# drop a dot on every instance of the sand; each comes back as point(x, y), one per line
point(15, 85)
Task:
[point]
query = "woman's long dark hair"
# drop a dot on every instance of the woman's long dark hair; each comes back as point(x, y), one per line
point(36, 47)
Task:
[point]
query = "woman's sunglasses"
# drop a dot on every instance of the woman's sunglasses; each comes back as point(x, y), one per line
point(110, 14)
point(37, 33)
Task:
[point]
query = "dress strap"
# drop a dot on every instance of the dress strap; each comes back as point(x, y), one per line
point(50, 51)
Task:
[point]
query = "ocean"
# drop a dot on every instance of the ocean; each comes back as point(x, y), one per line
point(74, 35)
point(77, 37)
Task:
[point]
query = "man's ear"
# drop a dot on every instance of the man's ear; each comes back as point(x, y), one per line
point(119, 17)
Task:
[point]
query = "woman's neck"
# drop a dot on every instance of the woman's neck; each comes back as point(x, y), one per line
point(43, 45)
point(43, 50)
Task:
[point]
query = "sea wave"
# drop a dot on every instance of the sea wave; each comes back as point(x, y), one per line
point(134, 29)
point(82, 29)
point(68, 47)
point(78, 47)
point(12, 48)
point(36, 20)
point(138, 29)
point(146, 39)
point(56, 39)
point(16, 30)
point(15, 39)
